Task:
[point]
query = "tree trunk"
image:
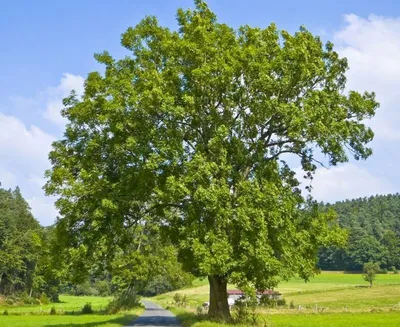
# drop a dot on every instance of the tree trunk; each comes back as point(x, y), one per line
point(219, 308)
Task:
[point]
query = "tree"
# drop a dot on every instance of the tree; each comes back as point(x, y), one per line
point(370, 269)
point(190, 133)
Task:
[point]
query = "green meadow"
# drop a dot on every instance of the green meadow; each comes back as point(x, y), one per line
point(329, 299)
point(68, 313)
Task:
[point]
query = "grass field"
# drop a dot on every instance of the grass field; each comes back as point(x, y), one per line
point(68, 314)
point(67, 320)
point(385, 319)
point(331, 299)
point(68, 303)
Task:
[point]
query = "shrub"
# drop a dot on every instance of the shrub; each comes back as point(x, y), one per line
point(53, 310)
point(245, 312)
point(44, 299)
point(395, 271)
point(87, 309)
point(180, 300)
point(281, 302)
point(291, 305)
point(5, 312)
point(177, 299)
point(11, 300)
point(370, 269)
point(267, 301)
point(384, 271)
point(86, 289)
point(123, 301)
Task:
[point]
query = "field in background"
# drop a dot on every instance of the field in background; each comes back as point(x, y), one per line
point(331, 299)
point(68, 303)
point(68, 314)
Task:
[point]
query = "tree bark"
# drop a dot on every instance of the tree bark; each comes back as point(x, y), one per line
point(219, 308)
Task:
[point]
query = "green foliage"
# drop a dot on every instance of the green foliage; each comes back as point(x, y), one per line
point(373, 227)
point(291, 305)
point(395, 271)
point(188, 134)
point(244, 312)
point(87, 309)
point(270, 302)
point(370, 269)
point(180, 300)
point(44, 299)
point(24, 251)
point(126, 300)
point(5, 312)
point(53, 311)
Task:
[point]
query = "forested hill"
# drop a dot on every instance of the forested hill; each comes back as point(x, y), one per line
point(24, 251)
point(374, 233)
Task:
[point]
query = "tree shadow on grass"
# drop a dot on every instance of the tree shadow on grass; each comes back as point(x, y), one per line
point(126, 319)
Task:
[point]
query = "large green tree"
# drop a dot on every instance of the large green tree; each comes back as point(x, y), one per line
point(189, 132)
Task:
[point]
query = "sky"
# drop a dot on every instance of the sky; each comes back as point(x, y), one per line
point(47, 47)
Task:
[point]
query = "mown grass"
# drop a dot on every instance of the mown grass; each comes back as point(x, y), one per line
point(67, 314)
point(68, 320)
point(331, 299)
point(347, 285)
point(376, 319)
point(68, 303)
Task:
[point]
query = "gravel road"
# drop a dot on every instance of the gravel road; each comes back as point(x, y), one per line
point(154, 316)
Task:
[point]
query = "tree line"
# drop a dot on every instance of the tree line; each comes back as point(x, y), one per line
point(373, 227)
point(33, 268)
point(25, 258)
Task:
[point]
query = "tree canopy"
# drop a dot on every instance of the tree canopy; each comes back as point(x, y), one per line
point(190, 131)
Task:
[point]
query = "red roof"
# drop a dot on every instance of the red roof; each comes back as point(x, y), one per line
point(265, 292)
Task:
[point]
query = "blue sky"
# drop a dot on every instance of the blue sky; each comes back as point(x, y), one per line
point(47, 49)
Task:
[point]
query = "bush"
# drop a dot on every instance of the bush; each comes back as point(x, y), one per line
point(103, 287)
point(177, 299)
point(86, 289)
point(245, 311)
point(269, 302)
point(384, 271)
point(281, 302)
point(180, 300)
point(87, 309)
point(44, 299)
point(123, 301)
point(53, 310)
point(395, 271)
point(12, 299)
point(291, 305)
point(5, 312)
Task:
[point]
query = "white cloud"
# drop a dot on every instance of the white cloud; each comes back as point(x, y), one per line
point(372, 47)
point(7, 179)
point(24, 148)
point(55, 95)
point(17, 142)
point(346, 181)
point(44, 209)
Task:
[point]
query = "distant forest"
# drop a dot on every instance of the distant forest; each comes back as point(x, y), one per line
point(373, 225)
